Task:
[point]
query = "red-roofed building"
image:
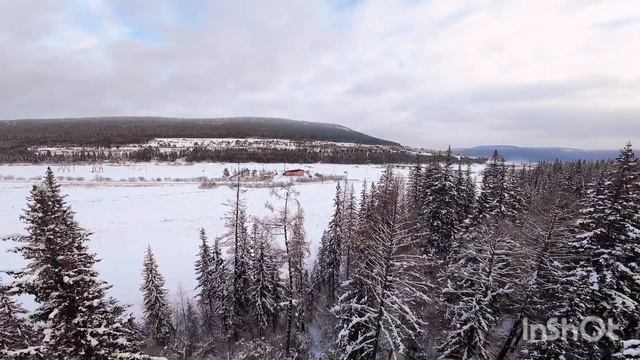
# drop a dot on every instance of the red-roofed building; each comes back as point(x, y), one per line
point(294, 172)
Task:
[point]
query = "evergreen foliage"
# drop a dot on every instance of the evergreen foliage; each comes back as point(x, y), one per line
point(76, 317)
point(157, 311)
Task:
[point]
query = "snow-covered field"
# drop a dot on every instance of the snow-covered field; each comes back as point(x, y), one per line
point(125, 218)
point(166, 145)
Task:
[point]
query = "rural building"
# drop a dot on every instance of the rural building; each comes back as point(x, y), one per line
point(294, 172)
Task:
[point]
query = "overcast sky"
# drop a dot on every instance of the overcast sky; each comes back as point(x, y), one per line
point(423, 73)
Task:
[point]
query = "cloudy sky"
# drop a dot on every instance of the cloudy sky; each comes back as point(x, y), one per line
point(424, 73)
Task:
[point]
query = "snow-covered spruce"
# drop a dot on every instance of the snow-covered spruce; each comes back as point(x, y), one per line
point(330, 255)
point(16, 332)
point(265, 291)
point(76, 318)
point(415, 189)
point(214, 295)
point(481, 272)
point(441, 210)
point(550, 286)
point(466, 193)
point(349, 226)
point(237, 239)
point(298, 254)
point(157, 312)
point(378, 306)
point(205, 294)
point(499, 195)
point(609, 235)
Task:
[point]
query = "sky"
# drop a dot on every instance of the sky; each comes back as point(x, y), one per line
point(422, 73)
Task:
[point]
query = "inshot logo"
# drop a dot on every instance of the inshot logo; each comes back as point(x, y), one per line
point(591, 328)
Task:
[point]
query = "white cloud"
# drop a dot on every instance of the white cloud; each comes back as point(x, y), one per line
point(422, 73)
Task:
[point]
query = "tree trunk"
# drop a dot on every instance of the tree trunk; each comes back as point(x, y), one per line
point(285, 219)
point(508, 343)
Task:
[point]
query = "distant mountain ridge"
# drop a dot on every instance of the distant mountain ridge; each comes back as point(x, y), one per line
point(117, 130)
point(536, 154)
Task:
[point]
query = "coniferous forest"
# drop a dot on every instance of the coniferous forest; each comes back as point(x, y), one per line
point(431, 266)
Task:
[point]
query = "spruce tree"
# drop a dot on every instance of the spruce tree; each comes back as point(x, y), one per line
point(265, 280)
point(468, 338)
point(481, 274)
point(549, 287)
point(283, 222)
point(364, 224)
point(494, 199)
point(77, 318)
point(205, 280)
point(422, 221)
point(466, 193)
point(568, 296)
point(515, 196)
point(415, 192)
point(441, 211)
point(299, 249)
point(216, 289)
point(317, 275)
point(428, 176)
point(574, 179)
point(609, 232)
point(349, 225)
point(377, 310)
point(221, 290)
point(331, 250)
point(299, 252)
point(16, 332)
point(157, 312)
point(237, 239)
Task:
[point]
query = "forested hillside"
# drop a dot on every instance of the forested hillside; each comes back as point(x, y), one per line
point(423, 267)
point(109, 131)
point(264, 140)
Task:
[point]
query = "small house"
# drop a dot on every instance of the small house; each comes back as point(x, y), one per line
point(294, 172)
